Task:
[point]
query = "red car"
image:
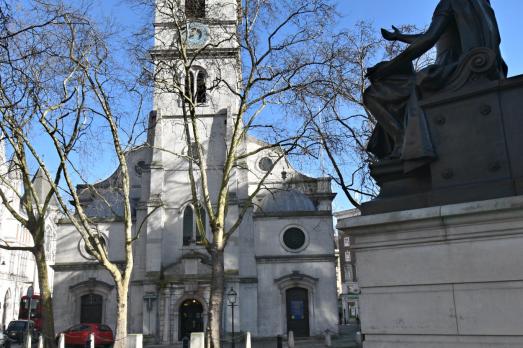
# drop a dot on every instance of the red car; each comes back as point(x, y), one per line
point(78, 335)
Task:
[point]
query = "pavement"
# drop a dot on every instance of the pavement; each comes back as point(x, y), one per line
point(345, 339)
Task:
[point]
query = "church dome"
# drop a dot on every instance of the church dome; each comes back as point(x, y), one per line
point(286, 201)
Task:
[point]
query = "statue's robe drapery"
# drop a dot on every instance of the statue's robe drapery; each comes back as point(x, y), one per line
point(468, 24)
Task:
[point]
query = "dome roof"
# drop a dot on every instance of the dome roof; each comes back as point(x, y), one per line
point(286, 201)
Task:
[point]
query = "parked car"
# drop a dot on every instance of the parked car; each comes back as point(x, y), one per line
point(78, 335)
point(18, 328)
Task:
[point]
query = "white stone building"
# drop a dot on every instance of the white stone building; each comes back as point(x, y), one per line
point(280, 262)
point(350, 291)
point(18, 268)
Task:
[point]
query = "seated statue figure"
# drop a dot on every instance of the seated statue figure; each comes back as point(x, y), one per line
point(457, 28)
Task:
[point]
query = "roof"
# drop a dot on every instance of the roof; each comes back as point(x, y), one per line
point(286, 201)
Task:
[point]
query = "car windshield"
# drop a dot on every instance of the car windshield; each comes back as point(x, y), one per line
point(80, 327)
point(17, 325)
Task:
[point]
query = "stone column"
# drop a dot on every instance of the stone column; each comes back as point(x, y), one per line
point(177, 294)
point(166, 310)
point(150, 312)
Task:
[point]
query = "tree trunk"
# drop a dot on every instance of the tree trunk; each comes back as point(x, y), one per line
point(46, 300)
point(122, 290)
point(216, 300)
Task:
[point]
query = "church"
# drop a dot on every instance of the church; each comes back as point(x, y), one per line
point(280, 262)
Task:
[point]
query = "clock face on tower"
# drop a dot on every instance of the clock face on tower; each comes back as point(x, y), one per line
point(198, 34)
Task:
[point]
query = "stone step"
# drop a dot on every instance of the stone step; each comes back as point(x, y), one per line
point(343, 341)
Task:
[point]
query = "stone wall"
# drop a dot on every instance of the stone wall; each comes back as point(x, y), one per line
point(446, 276)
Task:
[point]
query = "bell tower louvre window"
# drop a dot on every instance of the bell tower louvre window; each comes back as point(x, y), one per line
point(195, 87)
point(195, 9)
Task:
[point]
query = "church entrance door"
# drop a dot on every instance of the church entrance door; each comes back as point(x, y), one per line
point(298, 311)
point(191, 318)
point(91, 309)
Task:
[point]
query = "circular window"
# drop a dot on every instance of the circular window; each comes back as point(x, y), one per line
point(294, 238)
point(265, 164)
point(85, 252)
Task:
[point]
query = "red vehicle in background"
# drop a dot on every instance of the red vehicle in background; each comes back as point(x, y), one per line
point(36, 310)
point(78, 335)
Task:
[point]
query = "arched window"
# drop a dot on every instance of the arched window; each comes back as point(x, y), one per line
point(195, 86)
point(204, 222)
point(195, 8)
point(188, 223)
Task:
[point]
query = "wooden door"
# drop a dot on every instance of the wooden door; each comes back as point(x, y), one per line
point(190, 318)
point(91, 309)
point(298, 311)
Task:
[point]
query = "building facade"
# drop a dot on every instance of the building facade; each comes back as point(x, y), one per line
point(18, 268)
point(281, 259)
point(349, 296)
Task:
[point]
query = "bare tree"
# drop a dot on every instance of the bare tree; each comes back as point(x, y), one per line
point(58, 88)
point(32, 83)
point(340, 125)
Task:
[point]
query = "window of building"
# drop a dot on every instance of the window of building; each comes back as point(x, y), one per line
point(91, 309)
point(195, 86)
point(92, 240)
point(23, 265)
point(195, 8)
point(188, 223)
point(346, 242)
point(265, 164)
point(202, 231)
point(348, 274)
point(294, 238)
point(12, 256)
point(190, 226)
point(347, 256)
point(192, 151)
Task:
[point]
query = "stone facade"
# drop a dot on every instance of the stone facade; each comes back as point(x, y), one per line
point(171, 278)
point(349, 294)
point(445, 276)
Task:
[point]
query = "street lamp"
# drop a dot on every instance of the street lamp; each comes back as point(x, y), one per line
point(30, 293)
point(231, 296)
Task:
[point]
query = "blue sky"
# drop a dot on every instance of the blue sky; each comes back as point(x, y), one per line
point(384, 13)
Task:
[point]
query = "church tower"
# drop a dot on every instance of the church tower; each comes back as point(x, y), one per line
point(197, 62)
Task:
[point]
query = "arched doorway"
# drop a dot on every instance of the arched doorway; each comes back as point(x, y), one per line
point(6, 307)
point(298, 311)
point(190, 319)
point(91, 308)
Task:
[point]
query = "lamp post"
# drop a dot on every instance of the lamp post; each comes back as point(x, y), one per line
point(231, 296)
point(30, 293)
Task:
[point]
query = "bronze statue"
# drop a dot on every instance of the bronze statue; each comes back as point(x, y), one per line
point(457, 28)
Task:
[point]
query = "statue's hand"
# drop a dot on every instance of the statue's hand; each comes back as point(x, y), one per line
point(391, 35)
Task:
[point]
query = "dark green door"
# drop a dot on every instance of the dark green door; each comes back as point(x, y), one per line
point(298, 311)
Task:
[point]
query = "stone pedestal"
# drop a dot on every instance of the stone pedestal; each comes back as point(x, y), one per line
point(442, 276)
